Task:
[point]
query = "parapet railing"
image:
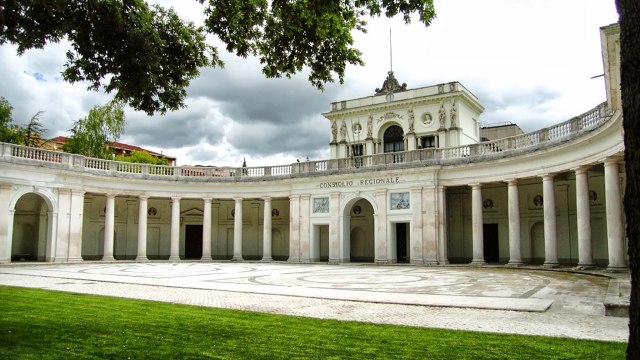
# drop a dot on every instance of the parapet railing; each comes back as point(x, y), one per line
point(424, 157)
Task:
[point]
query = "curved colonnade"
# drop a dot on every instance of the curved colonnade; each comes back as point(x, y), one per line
point(550, 197)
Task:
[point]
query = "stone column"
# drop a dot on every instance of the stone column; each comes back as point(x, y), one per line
point(294, 228)
point(443, 258)
point(237, 230)
point(615, 229)
point(266, 231)
point(514, 223)
point(75, 226)
point(141, 256)
point(477, 225)
point(174, 254)
point(109, 227)
point(550, 234)
point(206, 230)
point(585, 254)
point(5, 225)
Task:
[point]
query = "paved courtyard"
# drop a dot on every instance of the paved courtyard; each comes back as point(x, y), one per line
point(494, 299)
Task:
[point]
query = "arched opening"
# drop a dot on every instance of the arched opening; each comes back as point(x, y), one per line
point(30, 224)
point(393, 139)
point(361, 232)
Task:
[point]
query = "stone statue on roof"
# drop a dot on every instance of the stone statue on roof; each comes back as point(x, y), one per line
point(391, 85)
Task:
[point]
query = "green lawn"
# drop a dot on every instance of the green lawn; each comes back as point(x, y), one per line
point(40, 324)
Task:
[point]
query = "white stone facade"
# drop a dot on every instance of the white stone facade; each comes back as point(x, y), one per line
point(549, 197)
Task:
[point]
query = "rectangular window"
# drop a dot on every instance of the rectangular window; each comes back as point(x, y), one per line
point(429, 142)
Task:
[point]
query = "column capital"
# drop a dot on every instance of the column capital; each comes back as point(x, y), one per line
point(207, 199)
point(581, 169)
point(547, 176)
point(143, 196)
point(611, 160)
point(78, 192)
point(305, 196)
point(175, 199)
point(109, 195)
point(238, 198)
point(416, 188)
point(511, 182)
point(266, 198)
point(475, 185)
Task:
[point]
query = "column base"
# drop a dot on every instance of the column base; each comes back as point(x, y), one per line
point(584, 266)
point(174, 258)
point(206, 259)
point(443, 263)
point(237, 258)
point(515, 263)
point(550, 265)
point(142, 258)
point(478, 263)
point(266, 259)
point(293, 260)
point(617, 268)
point(75, 260)
point(108, 258)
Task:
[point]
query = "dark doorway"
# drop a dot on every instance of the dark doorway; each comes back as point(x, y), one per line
point(491, 250)
point(193, 242)
point(401, 243)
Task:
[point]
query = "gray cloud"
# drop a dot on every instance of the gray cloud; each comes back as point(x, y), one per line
point(187, 127)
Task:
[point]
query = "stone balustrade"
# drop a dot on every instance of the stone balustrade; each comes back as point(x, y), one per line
point(489, 150)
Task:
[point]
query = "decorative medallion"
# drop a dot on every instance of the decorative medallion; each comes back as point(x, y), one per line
point(538, 200)
point(593, 196)
point(275, 213)
point(357, 128)
point(152, 211)
point(357, 210)
point(427, 119)
point(487, 204)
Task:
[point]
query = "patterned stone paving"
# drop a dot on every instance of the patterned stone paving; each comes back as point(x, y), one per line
point(528, 301)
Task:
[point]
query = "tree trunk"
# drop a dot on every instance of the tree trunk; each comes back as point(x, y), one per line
point(629, 11)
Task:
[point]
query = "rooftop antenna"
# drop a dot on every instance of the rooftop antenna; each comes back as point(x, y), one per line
point(390, 52)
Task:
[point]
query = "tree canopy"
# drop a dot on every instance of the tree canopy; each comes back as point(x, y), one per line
point(91, 134)
point(147, 55)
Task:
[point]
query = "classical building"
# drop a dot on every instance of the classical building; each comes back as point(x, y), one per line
point(408, 181)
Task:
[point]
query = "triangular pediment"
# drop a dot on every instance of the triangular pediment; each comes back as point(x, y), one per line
point(192, 212)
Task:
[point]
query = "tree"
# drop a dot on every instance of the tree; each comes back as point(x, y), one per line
point(33, 132)
point(8, 131)
point(91, 134)
point(142, 157)
point(147, 55)
point(629, 11)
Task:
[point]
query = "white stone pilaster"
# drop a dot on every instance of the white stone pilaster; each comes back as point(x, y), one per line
point(294, 228)
point(334, 228)
point(75, 226)
point(380, 219)
point(5, 226)
point(443, 258)
point(305, 245)
point(415, 235)
point(615, 229)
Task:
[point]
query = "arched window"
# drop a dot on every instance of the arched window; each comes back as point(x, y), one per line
point(393, 139)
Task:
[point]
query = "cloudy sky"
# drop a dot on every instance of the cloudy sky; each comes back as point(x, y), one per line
point(529, 62)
